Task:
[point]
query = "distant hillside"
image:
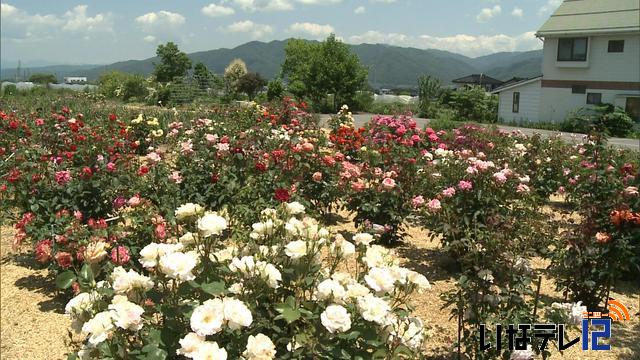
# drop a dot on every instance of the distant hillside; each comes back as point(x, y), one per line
point(389, 66)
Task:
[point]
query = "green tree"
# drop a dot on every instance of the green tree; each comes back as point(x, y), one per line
point(429, 90)
point(251, 83)
point(474, 104)
point(315, 70)
point(173, 63)
point(42, 78)
point(123, 86)
point(275, 89)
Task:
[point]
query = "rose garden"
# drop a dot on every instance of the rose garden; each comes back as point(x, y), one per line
point(256, 232)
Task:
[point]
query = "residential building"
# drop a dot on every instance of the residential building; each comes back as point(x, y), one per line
point(591, 56)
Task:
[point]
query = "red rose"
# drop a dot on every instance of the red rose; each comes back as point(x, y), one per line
point(214, 178)
point(282, 195)
point(113, 117)
point(260, 166)
point(43, 251)
point(143, 170)
point(64, 259)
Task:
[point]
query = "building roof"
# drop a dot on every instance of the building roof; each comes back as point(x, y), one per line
point(511, 85)
point(477, 79)
point(587, 17)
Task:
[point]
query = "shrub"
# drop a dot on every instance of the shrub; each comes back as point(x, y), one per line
point(265, 297)
point(474, 104)
point(118, 85)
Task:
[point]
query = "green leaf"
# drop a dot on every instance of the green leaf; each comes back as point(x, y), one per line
point(214, 288)
point(65, 279)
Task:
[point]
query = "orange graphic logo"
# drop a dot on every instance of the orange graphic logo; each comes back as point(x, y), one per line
point(617, 311)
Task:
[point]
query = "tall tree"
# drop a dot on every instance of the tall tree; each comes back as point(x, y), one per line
point(232, 75)
point(316, 70)
point(429, 90)
point(251, 83)
point(173, 62)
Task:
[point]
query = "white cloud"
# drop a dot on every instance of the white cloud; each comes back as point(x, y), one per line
point(149, 38)
point(359, 10)
point(383, 1)
point(78, 21)
point(517, 12)
point(469, 45)
point(18, 25)
point(319, 2)
point(214, 10)
point(264, 5)
point(315, 30)
point(487, 14)
point(160, 19)
point(248, 26)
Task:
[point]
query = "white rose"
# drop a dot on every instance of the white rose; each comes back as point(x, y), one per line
point(236, 288)
point(211, 224)
point(224, 254)
point(363, 239)
point(336, 319)
point(99, 328)
point(373, 308)
point(259, 347)
point(296, 249)
point(187, 239)
point(245, 265)
point(179, 265)
point(207, 319)
point(150, 254)
point(96, 252)
point(209, 350)
point(79, 309)
point(295, 208)
point(189, 344)
point(342, 247)
point(408, 330)
point(380, 280)
point(262, 229)
point(356, 290)
point(125, 314)
point(330, 289)
point(236, 313)
point(127, 282)
point(418, 280)
point(188, 210)
point(270, 274)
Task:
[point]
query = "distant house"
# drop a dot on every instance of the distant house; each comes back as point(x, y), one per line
point(591, 56)
point(483, 80)
point(75, 80)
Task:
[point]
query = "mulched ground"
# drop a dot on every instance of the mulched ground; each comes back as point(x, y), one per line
point(34, 326)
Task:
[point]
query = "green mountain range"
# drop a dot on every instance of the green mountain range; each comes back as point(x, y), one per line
point(389, 66)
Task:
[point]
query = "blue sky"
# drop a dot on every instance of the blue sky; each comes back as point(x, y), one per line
point(98, 32)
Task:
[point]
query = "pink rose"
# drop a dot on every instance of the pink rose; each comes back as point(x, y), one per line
point(43, 251)
point(449, 192)
point(134, 200)
point(63, 177)
point(120, 255)
point(111, 166)
point(388, 183)
point(357, 186)
point(465, 185)
point(64, 259)
point(175, 177)
point(522, 188)
point(317, 176)
point(212, 139)
point(434, 205)
point(417, 201)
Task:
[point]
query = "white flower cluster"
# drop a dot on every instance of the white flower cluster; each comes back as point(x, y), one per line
point(121, 313)
point(213, 314)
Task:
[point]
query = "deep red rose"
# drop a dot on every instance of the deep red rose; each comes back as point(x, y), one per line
point(143, 170)
point(215, 178)
point(113, 117)
point(282, 195)
point(260, 166)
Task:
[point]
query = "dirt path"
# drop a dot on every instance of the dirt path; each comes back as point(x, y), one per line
point(33, 325)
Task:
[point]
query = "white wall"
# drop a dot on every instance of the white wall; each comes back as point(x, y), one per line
point(600, 66)
point(557, 103)
point(529, 103)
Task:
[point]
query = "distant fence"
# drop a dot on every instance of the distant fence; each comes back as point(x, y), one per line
point(25, 85)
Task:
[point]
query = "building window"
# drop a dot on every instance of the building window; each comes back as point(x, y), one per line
point(572, 49)
point(578, 89)
point(516, 102)
point(616, 46)
point(633, 108)
point(594, 98)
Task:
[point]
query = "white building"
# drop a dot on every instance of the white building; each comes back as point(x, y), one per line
point(591, 55)
point(75, 80)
